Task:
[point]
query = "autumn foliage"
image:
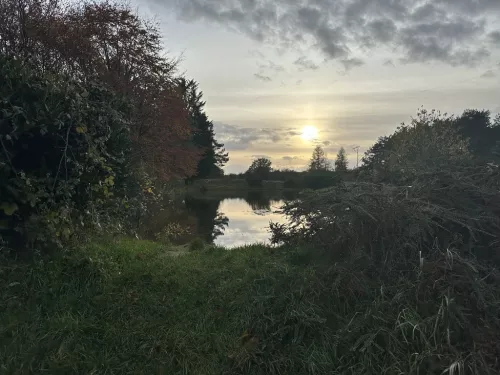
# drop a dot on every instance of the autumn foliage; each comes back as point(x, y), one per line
point(108, 43)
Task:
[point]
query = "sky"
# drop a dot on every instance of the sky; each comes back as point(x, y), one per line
point(352, 69)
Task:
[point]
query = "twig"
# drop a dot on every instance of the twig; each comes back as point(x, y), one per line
point(7, 156)
point(60, 161)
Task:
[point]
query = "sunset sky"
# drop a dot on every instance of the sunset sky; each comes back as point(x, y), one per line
point(351, 69)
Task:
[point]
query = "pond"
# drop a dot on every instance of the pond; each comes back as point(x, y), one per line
point(228, 221)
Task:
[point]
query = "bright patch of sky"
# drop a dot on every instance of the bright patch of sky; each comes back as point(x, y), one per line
point(353, 69)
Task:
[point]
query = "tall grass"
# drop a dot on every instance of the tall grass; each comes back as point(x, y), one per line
point(128, 307)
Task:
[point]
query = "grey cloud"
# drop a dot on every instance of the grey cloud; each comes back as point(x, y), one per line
point(269, 65)
point(351, 63)
point(262, 77)
point(290, 158)
point(488, 74)
point(255, 53)
point(381, 30)
point(389, 63)
point(305, 64)
point(439, 41)
point(427, 12)
point(260, 156)
point(448, 31)
point(241, 138)
point(495, 37)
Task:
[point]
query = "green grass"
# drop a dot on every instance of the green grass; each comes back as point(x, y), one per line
point(129, 307)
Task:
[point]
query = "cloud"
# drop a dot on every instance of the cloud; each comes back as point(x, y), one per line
point(271, 66)
point(488, 74)
point(389, 63)
point(495, 37)
point(262, 77)
point(351, 63)
point(242, 138)
point(260, 156)
point(256, 53)
point(305, 64)
point(454, 32)
point(442, 41)
point(290, 158)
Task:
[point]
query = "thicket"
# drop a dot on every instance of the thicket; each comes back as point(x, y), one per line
point(436, 194)
point(65, 158)
point(94, 120)
point(422, 224)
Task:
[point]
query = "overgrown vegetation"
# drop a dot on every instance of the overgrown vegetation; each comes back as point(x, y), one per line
point(392, 269)
point(129, 307)
point(94, 121)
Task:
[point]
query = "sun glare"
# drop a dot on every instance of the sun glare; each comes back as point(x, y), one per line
point(309, 133)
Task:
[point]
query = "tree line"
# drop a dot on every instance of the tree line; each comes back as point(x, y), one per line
point(94, 118)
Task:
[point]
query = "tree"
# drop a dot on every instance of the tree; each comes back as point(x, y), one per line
point(214, 156)
point(260, 168)
point(319, 162)
point(341, 161)
point(482, 132)
point(108, 43)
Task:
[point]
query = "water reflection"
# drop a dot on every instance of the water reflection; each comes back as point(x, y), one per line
point(211, 223)
point(248, 221)
point(229, 221)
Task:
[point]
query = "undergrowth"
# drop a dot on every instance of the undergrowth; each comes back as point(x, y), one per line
point(129, 307)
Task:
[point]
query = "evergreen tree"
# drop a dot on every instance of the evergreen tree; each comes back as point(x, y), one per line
point(341, 161)
point(260, 168)
point(319, 162)
point(214, 155)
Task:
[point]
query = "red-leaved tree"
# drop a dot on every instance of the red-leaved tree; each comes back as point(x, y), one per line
point(109, 43)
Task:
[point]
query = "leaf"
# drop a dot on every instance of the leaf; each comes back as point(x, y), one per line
point(4, 224)
point(14, 283)
point(9, 208)
point(81, 129)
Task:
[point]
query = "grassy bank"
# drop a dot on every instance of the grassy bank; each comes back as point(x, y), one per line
point(128, 307)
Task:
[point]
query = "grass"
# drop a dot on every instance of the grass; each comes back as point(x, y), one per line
point(128, 307)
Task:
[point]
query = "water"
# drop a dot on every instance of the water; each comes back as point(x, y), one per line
point(229, 221)
point(247, 224)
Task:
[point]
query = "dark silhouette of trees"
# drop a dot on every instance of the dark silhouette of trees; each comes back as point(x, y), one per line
point(259, 169)
point(480, 132)
point(319, 161)
point(214, 156)
point(341, 161)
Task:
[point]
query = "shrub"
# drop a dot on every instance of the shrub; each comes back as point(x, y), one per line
point(63, 157)
point(254, 182)
point(439, 208)
point(438, 196)
point(196, 244)
point(321, 179)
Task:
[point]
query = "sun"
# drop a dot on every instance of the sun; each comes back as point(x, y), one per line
point(309, 133)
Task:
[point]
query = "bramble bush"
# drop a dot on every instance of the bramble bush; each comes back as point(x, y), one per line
point(64, 159)
point(438, 196)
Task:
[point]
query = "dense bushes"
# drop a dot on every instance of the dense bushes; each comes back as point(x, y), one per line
point(65, 155)
point(439, 197)
point(320, 179)
point(109, 43)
